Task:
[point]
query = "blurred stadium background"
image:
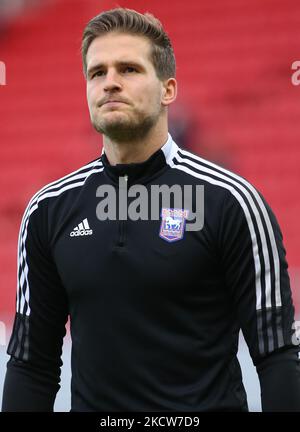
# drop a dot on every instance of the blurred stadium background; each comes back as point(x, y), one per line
point(236, 106)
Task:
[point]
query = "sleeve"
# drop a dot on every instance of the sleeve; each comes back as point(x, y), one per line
point(35, 346)
point(253, 260)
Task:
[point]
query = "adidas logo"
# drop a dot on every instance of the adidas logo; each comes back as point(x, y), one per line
point(82, 229)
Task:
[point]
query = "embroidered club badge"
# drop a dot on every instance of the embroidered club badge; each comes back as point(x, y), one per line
point(172, 224)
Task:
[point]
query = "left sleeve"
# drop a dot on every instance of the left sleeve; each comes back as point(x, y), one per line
point(35, 347)
point(254, 264)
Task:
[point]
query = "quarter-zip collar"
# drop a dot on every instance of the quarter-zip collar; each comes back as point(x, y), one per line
point(142, 172)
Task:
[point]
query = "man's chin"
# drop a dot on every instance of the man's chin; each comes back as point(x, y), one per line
point(113, 120)
point(121, 129)
point(114, 126)
point(115, 130)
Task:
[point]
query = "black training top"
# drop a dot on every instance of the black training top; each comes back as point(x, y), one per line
point(155, 309)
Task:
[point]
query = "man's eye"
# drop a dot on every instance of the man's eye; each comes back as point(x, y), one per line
point(130, 69)
point(98, 73)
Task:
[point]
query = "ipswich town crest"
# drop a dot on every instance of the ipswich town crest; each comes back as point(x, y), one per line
point(172, 224)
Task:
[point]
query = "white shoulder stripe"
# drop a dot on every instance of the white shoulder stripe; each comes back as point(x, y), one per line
point(249, 221)
point(78, 174)
point(69, 176)
point(265, 214)
point(240, 185)
point(234, 190)
point(46, 192)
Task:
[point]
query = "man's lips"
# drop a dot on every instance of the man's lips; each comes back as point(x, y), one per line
point(112, 102)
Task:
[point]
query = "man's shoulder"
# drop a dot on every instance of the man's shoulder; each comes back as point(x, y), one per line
point(195, 164)
point(210, 172)
point(221, 185)
point(64, 184)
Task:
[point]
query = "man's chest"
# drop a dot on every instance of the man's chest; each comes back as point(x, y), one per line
point(160, 256)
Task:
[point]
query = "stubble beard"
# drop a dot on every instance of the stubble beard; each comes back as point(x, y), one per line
point(125, 130)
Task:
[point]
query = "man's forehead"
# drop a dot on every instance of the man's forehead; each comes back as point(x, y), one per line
point(119, 46)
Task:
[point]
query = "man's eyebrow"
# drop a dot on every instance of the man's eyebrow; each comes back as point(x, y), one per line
point(118, 63)
point(94, 68)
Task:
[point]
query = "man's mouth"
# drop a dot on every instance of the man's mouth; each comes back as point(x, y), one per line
point(113, 103)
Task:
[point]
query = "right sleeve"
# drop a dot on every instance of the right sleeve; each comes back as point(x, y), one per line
point(35, 346)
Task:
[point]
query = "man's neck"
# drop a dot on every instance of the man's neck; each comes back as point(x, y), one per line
point(134, 151)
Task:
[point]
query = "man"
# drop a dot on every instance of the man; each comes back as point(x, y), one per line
point(155, 302)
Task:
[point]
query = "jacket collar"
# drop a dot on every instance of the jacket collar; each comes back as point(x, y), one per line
point(142, 172)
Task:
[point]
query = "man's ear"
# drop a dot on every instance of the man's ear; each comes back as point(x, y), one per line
point(169, 91)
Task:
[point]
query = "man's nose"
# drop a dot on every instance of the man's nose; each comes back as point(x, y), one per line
point(112, 81)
